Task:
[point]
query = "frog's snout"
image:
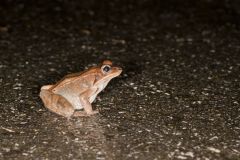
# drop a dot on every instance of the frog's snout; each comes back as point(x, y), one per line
point(119, 69)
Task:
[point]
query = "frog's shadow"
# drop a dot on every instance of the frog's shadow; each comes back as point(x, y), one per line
point(130, 70)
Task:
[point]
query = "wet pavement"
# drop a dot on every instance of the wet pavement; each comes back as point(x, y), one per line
point(178, 97)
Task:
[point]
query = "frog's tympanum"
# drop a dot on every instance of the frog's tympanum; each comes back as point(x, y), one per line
point(73, 95)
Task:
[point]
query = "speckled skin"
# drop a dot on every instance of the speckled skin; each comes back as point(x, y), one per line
point(77, 91)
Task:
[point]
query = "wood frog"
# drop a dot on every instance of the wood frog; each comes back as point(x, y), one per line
point(78, 90)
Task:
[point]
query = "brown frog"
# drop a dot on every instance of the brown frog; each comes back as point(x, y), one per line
point(78, 90)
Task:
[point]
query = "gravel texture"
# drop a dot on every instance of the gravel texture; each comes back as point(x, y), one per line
point(178, 97)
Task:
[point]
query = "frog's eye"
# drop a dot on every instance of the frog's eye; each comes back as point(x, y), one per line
point(106, 68)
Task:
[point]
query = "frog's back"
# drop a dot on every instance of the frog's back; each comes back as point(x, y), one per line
point(74, 80)
point(71, 87)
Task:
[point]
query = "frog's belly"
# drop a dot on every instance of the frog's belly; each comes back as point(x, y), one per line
point(72, 98)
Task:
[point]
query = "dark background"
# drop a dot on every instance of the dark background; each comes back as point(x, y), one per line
point(178, 97)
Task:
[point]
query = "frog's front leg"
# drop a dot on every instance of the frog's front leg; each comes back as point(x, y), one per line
point(56, 103)
point(85, 101)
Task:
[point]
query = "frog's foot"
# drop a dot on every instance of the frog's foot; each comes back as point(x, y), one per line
point(84, 114)
point(94, 112)
point(80, 114)
point(56, 103)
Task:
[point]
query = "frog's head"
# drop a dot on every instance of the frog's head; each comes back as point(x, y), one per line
point(107, 71)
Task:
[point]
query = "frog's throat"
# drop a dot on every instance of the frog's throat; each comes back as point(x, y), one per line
point(107, 78)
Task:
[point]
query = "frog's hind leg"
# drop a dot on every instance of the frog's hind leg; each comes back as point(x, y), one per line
point(56, 103)
point(46, 87)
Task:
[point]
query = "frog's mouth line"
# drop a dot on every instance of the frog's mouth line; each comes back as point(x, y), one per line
point(109, 77)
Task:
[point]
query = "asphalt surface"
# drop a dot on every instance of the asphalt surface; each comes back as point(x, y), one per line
point(178, 96)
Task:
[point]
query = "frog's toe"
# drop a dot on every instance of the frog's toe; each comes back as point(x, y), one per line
point(80, 114)
point(95, 111)
point(84, 114)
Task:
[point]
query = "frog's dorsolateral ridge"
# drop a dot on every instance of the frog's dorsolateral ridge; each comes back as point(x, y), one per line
point(78, 90)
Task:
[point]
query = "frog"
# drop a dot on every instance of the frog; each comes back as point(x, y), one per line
point(73, 95)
